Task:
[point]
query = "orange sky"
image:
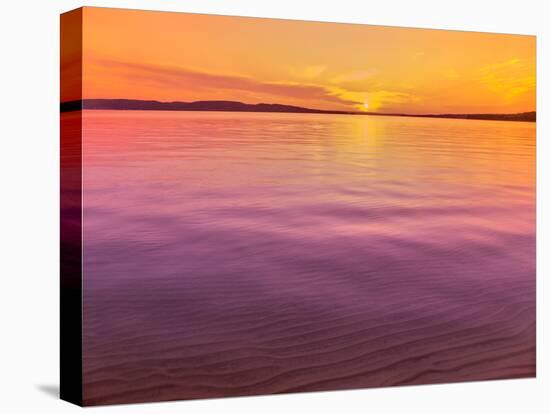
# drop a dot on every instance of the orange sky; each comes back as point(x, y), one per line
point(188, 57)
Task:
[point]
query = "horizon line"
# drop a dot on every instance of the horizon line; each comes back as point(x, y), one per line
point(238, 106)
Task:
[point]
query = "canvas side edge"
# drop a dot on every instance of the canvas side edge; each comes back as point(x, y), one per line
point(71, 209)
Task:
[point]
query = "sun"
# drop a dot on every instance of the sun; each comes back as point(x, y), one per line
point(366, 105)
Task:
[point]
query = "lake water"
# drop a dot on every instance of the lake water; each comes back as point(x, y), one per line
point(248, 253)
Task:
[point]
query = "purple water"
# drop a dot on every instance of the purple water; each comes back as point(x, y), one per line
point(248, 253)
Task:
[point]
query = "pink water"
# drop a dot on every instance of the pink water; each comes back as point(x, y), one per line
point(248, 253)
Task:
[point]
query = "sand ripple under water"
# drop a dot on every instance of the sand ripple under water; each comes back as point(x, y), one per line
point(246, 253)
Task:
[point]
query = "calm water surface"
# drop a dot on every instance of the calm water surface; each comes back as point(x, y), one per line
point(243, 253)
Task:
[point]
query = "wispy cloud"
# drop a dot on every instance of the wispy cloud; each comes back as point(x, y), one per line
point(504, 79)
point(178, 78)
point(347, 91)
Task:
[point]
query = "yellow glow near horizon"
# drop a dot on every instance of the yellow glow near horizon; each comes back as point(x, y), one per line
point(187, 57)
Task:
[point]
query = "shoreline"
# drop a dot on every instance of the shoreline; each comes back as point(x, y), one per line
point(231, 106)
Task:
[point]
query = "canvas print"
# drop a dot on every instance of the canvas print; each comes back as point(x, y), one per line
point(260, 206)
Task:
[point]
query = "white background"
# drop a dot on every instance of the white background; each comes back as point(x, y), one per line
point(29, 177)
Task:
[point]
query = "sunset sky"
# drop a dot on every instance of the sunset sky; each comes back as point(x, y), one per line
point(189, 57)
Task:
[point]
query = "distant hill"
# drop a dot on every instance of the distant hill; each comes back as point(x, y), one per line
point(235, 106)
point(522, 116)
